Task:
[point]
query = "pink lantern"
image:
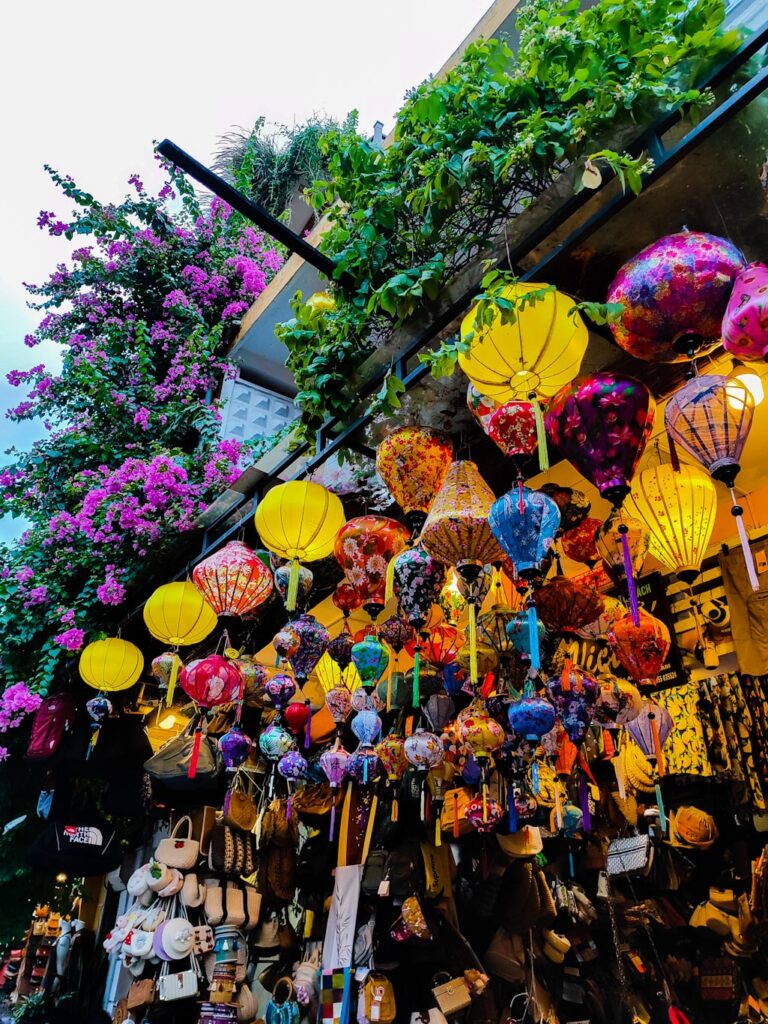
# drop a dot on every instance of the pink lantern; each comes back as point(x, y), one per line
point(211, 681)
point(745, 324)
point(234, 580)
point(334, 764)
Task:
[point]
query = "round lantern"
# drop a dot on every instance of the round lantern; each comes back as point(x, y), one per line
point(674, 294)
point(391, 751)
point(339, 703)
point(282, 576)
point(332, 675)
point(370, 658)
point(111, 664)
point(641, 649)
point(518, 430)
point(235, 747)
point(280, 690)
point(579, 544)
point(526, 534)
point(346, 599)
point(299, 520)
point(483, 814)
point(601, 424)
point(423, 749)
point(532, 716)
point(413, 462)
point(161, 668)
point(519, 633)
point(678, 507)
point(745, 324)
point(364, 766)
point(574, 694)
point(482, 734)
point(538, 351)
point(334, 765)
point(565, 604)
point(211, 681)
point(366, 725)
point(396, 632)
point(313, 642)
point(233, 580)
point(292, 766)
point(363, 548)
point(274, 742)
point(296, 716)
point(574, 506)
point(178, 614)
point(619, 702)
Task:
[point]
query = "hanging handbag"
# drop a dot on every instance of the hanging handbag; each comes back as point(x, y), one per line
point(170, 765)
point(282, 1008)
point(179, 851)
point(239, 809)
point(375, 872)
point(120, 1012)
point(203, 820)
point(631, 855)
point(451, 994)
point(141, 993)
point(453, 816)
point(179, 984)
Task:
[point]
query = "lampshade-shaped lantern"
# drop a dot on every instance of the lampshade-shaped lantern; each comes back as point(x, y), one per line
point(363, 548)
point(299, 520)
point(178, 614)
point(234, 580)
point(622, 543)
point(536, 350)
point(526, 534)
point(678, 507)
point(745, 324)
point(566, 604)
point(413, 462)
point(601, 424)
point(313, 643)
point(674, 293)
point(332, 675)
point(641, 649)
point(711, 416)
point(111, 665)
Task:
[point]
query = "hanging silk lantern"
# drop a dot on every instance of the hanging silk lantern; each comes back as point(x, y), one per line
point(364, 766)
point(418, 578)
point(519, 634)
point(280, 690)
point(296, 716)
point(650, 731)
point(99, 709)
point(254, 678)
point(391, 752)
point(111, 664)
point(565, 604)
point(365, 632)
point(536, 352)
point(574, 694)
point(622, 543)
point(483, 815)
point(527, 535)
point(643, 649)
point(579, 543)
point(366, 725)
point(482, 734)
point(441, 646)
point(339, 649)
point(234, 580)
point(618, 702)
point(532, 716)
point(299, 520)
point(282, 577)
point(480, 407)
point(363, 548)
point(235, 747)
point(313, 642)
point(711, 416)
point(487, 659)
point(162, 667)
point(275, 742)
point(492, 628)
point(370, 658)
point(178, 614)
point(292, 766)
point(338, 700)
point(456, 531)
point(211, 681)
point(423, 749)
point(451, 600)
point(413, 462)
point(331, 675)
point(439, 710)
point(601, 424)
point(396, 632)
point(286, 642)
point(678, 507)
point(674, 294)
point(334, 765)
point(574, 506)
point(600, 627)
point(745, 324)
point(517, 428)
point(346, 599)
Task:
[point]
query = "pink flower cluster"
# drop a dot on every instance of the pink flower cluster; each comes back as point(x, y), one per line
point(16, 702)
point(70, 639)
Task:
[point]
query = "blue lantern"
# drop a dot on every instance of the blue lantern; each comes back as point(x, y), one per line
point(525, 522)
point(366, 725)
point(531, 716)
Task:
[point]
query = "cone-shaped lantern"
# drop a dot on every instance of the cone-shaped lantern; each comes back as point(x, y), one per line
point(678, 507)
point(641, 649)
point(413, 462)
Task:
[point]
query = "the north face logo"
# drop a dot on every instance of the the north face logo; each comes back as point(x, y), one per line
point(87, 835)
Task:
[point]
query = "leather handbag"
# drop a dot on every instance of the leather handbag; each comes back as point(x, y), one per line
point(179, 984)
point(451, 994)
point(631, 855)
point(170, 765)
point(179, 851)
point(239, 809)
point(141, 993)
point(120, 1012)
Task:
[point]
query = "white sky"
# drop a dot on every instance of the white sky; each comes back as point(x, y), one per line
point(87, 86)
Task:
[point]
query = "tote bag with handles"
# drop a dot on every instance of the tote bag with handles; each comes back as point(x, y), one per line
point(179, 851)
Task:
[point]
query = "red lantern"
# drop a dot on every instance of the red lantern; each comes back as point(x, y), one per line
point(296, 716)
point(364, 632)
point(564, 604)
point(513, 428)
point(364, 546)
point(441, 646)
point(211, 681)
point(346, 599)
point(579, 543)
point(233, 581)
point(643, 649)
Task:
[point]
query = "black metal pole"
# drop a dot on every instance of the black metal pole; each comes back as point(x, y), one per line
point(253, 211)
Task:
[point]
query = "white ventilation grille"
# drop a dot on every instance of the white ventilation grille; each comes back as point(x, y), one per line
point(249, 411)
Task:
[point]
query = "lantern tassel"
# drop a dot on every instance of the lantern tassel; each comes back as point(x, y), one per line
point(333, 818)
point(473, 643)
point(293, 586)
point(308, 728)
point(533, 637)
point(438, 836)
point(395, 812)
point(390, 672)
point(657, 745)
point(535, 777)
point(520, 502)
point(92, 744)
point(662, 812)
point(630, 574)
point(416, 671)
point(541, 434)
point(512, 809)
point(673, 458)
point(565, 678)
point(455, 814)
point(620, 784)
point(609, 747)
point(749, 561)
point(558, 806)
point(389, 588)
point(175, 662)
point(584, 802)
point(192, 770)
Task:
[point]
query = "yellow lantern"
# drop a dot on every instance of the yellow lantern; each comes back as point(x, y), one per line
point(413, 462)
point(331, 675)
point(299, 520)
point(178, 614)
point(538, 353)
point(678, 507)
point(111, 664)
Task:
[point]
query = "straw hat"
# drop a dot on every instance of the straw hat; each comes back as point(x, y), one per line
point(524, 843)
point(178, 938)
point(692, 829)
point(175, 884)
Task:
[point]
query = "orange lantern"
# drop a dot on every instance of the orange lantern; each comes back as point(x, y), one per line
point(413, 463)
point(641, 649)
point(564, 604)
point(234, 580)
point(363, 548)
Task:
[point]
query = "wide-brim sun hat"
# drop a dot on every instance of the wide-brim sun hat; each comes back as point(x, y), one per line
point(526, 842)
point(178, 938)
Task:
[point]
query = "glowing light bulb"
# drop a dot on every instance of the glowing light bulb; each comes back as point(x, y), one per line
point(751, 381)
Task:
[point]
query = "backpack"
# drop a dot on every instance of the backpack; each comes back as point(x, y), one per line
point(81, 848)
point(377, 1000)
point(52, 719)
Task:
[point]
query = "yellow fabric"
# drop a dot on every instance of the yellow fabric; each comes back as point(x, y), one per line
point(111, 664)
point(299, 519)
point(178, 614)
point(685, 752)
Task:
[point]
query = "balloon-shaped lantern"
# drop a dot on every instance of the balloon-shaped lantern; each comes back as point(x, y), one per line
point(280, 690)
point(178, 614)
point(275, 742)
point(283, 576)
point(364, 547)
point(526, 534)
point(678, 507)
point(650, 730)
point(481, 407)
point(209, 682)
point(574, 694)
point(517, 428)
point(483, 735)
point(536, 350)
point(391, 753)
point(346, 598)
point(674, 293)
point(745, 324)
point(711, 416)
point(370, 658)
point(313, 642)
point(299, 520)
point(339, 650)
point(111, 664)
point(641, 649)
point(601, 424)
point(286, 642)
point(396, 632)
point(417, 580)
point(234, 580)
point(161, 668)
point(424, 750)
point(334, 765)
point(600, 628)
point(456, 531)
point(413, 463)
point(532, 716)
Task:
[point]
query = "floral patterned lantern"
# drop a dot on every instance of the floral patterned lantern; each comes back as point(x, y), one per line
point(745, 324)
point(600, 627)
point(574, 694)
point(305, 579)
point(346, 598)
point(674, 294)
point(532, 716)
point(235, 747)
point(601, 424)
point(579, 543)
point(364, 546)
point(643, 649)
point(254, 676)
point(423, 749)
point(517, 428)
point(418, 578)
point(678, 507)
point(234, 580)
point(280, 690)
point(565, 604)
point(451, 600)
point(619, 702)
point(370, 658)
point(574, 506)
point(526, 534)
point(274, 742)
point(413, 462)
point(391, 753)
point(292, 766)
point(442, 645)
point(483, 815)
point(396, 632)
point(339, 650)
point(364, 766)
point(161, 668)
point(482, 408)
point(286, 642)
point(366, 725)
point(313, 642)
point(338, 700)
point(334, 765)
point(211, 681)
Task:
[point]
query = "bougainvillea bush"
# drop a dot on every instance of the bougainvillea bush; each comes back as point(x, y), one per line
point(143, 313)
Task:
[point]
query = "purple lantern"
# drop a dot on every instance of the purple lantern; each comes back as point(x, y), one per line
point(574, 694)
point(396, 632)
point(651, 728)
point(235, 747)
point(340, 649)
point(601, 425)
point(364, 766)
point(674, 295)
point(292, 766)
point(280, 690)
point(334, 763)
point(313, 642)
point(531, 717)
